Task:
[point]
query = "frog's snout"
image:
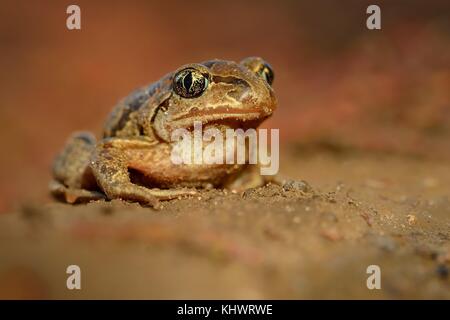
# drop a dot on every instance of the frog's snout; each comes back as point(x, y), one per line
point(241, 93)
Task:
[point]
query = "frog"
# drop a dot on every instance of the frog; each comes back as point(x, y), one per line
point(131, 161)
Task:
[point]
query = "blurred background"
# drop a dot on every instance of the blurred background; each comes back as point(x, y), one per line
point(339, 84)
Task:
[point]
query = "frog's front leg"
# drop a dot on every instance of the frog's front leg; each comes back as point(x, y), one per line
point(110, 165)
point(73, 181)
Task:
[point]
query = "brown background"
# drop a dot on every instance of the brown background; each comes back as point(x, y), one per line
point(337, 82)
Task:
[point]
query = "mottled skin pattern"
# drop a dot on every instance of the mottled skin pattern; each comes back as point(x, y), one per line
point(132, 160)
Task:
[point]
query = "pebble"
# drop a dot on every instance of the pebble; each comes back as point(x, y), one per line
point(296, 185)
point(411, 219)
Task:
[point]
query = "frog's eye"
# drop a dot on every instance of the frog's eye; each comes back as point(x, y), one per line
point(190, 83)
point(266, 72)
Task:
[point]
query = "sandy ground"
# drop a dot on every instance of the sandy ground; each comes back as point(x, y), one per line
point(312, 239)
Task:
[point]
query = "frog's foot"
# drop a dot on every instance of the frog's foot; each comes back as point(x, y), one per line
point(110, 166)
point(276, 179)
point(72, 195)
point(148, 196)
point(247, 179)
point(251, 178)
point(168, 194)
point(132, 192)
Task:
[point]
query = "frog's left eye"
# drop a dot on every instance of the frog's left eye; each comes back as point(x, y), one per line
point(266, 72)
point(190, 83)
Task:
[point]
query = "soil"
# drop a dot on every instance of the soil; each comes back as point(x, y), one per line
point(313, 237)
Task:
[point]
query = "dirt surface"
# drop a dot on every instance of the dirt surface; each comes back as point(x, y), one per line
point(334, 79)
point(307, 239)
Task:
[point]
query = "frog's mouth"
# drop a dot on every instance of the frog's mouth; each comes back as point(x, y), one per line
point(235, 119)
point(220, 117)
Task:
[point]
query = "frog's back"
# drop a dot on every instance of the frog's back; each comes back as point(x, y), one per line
point(124, 111)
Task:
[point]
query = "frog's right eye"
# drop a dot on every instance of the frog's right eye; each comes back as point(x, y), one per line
point(190, 83)
point(266, 72)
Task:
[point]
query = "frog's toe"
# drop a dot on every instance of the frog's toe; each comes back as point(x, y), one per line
point(131, 192)
point(71, 195)
point(168, 194)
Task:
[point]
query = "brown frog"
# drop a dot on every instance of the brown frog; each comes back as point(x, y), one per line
point(132, 161)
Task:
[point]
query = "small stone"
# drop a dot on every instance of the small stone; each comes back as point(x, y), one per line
point(411, 219)
point(296, 185)
point(330, 198)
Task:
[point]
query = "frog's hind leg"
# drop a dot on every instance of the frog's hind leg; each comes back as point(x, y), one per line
point(73, 180)
point(110, 165)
